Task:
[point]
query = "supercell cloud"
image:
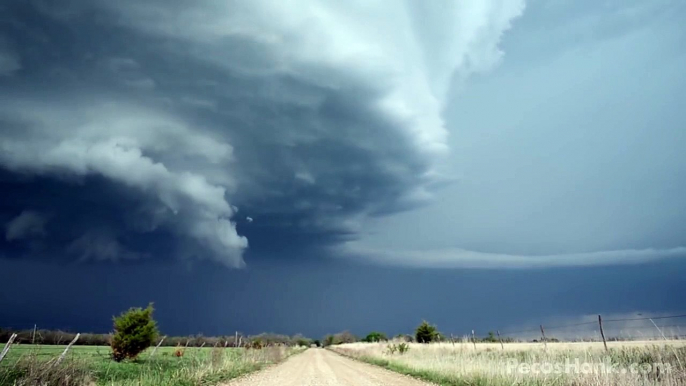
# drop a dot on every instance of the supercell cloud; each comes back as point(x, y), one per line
point(134, 130)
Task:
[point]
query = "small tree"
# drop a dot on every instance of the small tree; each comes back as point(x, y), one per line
point(344, 337)
point(134, 331)
point(375, 337)
point(426, 333)
point(490, 338)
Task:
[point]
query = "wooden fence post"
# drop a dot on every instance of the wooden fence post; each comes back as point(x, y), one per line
point(474, 339)
point(33, 337)
point(64, 354)
point(7, 346)
point(602, 333)
point(500, 339)
point(156, 347)
point(545, 341)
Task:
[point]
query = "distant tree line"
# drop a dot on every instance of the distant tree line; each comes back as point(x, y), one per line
point(424, 333)
point(340, 338)
point(58, 337)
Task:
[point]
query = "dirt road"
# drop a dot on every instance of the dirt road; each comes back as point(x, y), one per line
point(319, 367)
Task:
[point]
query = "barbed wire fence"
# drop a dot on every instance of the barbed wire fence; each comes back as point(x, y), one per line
point(659, 327)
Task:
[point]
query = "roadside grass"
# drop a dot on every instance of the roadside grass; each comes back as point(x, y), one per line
point(28, 365)
point(426, 375)
point(633, 364)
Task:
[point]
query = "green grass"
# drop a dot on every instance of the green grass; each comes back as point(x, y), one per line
point(92, 365)
point(98, 353)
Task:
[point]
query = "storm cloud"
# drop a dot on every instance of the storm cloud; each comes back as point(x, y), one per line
point(25, 225)
point(460, 258)
point(356, 157)
point(9, 62)
point(196, 129)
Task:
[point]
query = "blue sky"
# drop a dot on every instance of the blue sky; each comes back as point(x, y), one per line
point(314, 167)
point(572, 145)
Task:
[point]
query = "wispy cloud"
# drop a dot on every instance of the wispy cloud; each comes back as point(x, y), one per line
point(27, 224)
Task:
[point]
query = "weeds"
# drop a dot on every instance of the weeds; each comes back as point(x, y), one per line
point(90, 366)
point(625, 364)
point(31, 371)
point(400, 348)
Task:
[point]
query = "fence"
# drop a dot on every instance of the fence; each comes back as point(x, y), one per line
point(595, 329)
point(57, 337)
point(50, 337)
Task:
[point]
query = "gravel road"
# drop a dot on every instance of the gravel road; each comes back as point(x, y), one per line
point(319, 367)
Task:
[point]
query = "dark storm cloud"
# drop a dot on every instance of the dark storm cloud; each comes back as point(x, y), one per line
point(326, 296)
point(9, 61)
point(28, 223)
point(124, 123)
point(78, 219)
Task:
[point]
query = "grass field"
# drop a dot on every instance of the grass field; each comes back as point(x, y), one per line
point(573, 364)
point(30, 365)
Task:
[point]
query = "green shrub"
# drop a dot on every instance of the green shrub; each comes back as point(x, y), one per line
point(426, 333)
point(134, 331)
point(403, 348)
point(375, 337)
point(491, 338)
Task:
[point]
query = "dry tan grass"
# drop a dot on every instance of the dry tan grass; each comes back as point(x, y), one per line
point(519, 346)
point(489, 364)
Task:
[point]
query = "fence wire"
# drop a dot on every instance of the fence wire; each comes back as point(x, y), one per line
point(591, 329)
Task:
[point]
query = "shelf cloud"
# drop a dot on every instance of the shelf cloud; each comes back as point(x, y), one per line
point(158, 121)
